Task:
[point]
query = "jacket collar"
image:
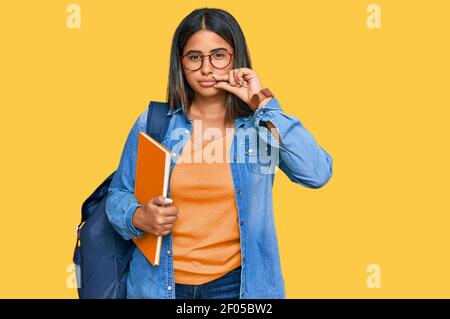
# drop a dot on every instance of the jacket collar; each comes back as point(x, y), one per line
point(174, 110)
point(241, 121)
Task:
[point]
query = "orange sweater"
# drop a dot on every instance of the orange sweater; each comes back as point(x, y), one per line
point(206, 240)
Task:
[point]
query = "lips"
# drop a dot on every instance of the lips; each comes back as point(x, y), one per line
point(207, 83)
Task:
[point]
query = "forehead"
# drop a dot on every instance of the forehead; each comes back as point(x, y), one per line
point(205, 41)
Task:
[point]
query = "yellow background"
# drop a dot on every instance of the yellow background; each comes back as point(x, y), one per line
point(376, 99)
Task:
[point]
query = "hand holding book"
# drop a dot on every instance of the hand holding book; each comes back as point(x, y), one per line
point(156, 217)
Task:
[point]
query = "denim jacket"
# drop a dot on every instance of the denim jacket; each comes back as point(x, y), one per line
point(297, 154)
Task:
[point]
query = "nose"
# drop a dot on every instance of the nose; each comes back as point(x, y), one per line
point(207, 67)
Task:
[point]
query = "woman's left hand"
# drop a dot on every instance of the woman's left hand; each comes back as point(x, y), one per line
point(242, 82)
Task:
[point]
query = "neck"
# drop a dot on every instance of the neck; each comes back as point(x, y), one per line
point(208, 107)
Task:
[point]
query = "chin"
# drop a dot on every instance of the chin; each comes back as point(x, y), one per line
point(211, 91)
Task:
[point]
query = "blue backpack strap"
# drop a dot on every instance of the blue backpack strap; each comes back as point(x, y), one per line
point(157, 120)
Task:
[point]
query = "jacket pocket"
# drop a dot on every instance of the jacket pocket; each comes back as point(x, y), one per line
point(259, 157)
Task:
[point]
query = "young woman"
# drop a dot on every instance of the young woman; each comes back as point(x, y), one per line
point(226, 133)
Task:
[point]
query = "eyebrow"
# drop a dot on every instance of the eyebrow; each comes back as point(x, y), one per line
point(213, 50)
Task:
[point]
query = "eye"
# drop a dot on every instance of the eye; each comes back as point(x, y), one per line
point(193, 57)
point(219, 55)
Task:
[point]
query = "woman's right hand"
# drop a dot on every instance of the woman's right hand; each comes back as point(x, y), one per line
point(156, 217)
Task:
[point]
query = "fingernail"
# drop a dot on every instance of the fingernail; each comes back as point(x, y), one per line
point(168, 200)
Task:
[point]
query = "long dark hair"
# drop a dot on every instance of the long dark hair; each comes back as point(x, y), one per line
point(179, 93)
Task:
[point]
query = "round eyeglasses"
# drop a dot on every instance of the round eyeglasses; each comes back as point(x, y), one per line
point(194, 61)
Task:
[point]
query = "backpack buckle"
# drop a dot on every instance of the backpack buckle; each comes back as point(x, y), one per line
point(78, 233)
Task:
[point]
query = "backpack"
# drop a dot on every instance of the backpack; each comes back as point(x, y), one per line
point(101, 255)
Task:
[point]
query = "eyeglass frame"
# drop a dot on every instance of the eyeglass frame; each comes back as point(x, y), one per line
point(209, 58)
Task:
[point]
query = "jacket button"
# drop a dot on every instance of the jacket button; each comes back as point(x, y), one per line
point(168, 252)
point(169, 287)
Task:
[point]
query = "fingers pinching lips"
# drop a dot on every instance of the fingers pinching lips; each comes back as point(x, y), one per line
point(240, 76)
point(230, 77)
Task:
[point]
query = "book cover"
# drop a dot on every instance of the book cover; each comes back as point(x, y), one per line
point(152, 178)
